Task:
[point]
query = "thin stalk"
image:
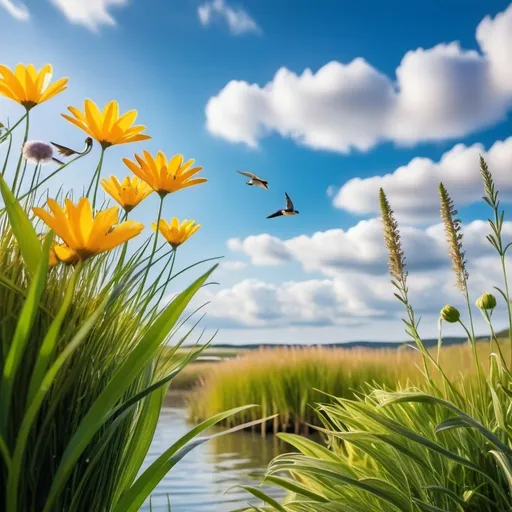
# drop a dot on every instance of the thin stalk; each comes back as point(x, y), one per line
point(51, 175)
point(22, 177)
point(10, 130)
point(123, 251)
point(154, 247)
point(34, 180)
point(25, 138)
point(95, 177)
point(509, 309)
point(168, 280)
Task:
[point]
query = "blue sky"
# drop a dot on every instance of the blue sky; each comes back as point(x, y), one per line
point(226, 83)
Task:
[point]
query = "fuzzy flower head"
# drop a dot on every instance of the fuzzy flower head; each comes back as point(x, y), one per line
point(396, 257)
point(37, 152)
point(28, 86)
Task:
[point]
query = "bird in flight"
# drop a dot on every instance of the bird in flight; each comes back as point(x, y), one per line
point(255, 180)
point(289, 211)
point(65, 151)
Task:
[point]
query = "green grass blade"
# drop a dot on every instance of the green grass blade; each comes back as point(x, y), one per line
point(51, 338)
point(133, 499)
point(258, 493)
point(22, 228)
point(296, 488)
point(21, 334)
point(101, 409)
point(506, 465)
point(31, 414)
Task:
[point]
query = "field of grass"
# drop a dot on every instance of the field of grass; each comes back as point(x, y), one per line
point(286, 380)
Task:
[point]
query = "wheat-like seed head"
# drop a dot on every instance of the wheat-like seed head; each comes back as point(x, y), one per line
point(396, 257)
point(452, 229)
point(489, 187)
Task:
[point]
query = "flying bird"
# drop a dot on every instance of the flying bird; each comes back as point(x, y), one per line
point(65, 151)
point(255, 180)
point(289, 211)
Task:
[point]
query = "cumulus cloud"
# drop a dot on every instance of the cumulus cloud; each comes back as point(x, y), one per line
point(89, 13)
point(361, 248)
point(233, 265)
point(413, 188)
point(353, 299)
point(439, 93)
point(238, 21)
point(17, 10)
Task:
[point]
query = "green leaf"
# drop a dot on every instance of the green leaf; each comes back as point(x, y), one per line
point(21, 334)
point(132, 500)
point(296, 488)
point(22, 228)
point(50, 340)
point(101, 409)
point(44, 387)
point(448, 424)
point(395, 398)
point(505, 464)
point(257, 493)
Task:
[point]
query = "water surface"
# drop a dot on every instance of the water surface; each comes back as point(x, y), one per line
point(198, 483)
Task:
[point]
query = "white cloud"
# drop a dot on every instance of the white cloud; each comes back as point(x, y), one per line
point(233, 265)
point(16, 9)
point(354, 300)
point(361, 248)
point(238, 21)
point(89, 13)
point(413, 188)
point(439, 93)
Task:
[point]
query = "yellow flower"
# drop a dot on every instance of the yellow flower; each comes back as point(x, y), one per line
point(29, 87)
point(164, 176)
point(176, 233)
point(62, 253)
point(107, 127)
point(129, 193)
point(84, 234)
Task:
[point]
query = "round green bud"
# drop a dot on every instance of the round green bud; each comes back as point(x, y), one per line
point(486, 302)
point(450, 314)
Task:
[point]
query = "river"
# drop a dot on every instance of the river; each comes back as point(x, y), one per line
point(198, 483)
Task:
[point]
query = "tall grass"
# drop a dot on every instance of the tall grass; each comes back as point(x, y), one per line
point(434, 447)
point(82, 377)
point(290, 381)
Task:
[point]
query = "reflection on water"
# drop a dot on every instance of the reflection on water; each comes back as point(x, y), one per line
point(198, 483)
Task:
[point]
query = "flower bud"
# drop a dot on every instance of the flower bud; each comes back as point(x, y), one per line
point(450, 314)
point(486, 302)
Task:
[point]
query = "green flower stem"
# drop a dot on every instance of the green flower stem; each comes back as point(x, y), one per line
point(125, 247)
point(10, 130)
point(509, 309)
point(95, 178)
point(35, 179)
point(472, 344)
point(154, 247)
point(23, 177)
point(51, 175)
point(20, 159)
point(169, 275)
